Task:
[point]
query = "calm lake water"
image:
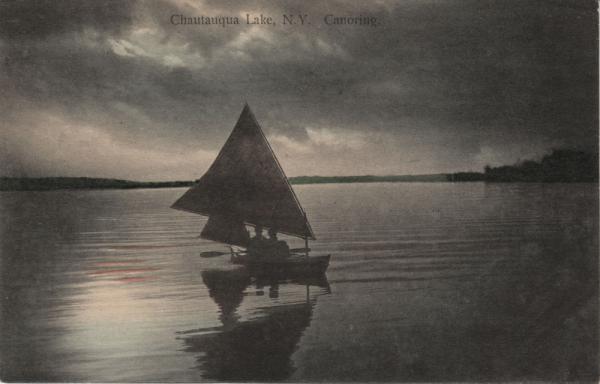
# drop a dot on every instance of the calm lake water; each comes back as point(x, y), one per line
point(427, 282)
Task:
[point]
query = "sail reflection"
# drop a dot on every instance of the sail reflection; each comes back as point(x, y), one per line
point(258, 348)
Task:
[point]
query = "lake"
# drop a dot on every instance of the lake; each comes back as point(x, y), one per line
point(427, 282)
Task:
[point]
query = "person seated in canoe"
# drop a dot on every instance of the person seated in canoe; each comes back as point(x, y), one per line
point(277, 248)
point(257, 244)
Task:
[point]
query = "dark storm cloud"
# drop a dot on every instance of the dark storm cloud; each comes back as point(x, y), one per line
point(43, 18)
point(437, 86)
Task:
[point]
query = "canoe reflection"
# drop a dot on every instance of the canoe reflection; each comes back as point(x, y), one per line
point(259, 348)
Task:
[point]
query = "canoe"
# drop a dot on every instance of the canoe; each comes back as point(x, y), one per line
point(293, 265)
point(246, 186)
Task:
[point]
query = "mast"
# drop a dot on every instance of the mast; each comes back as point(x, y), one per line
point(306, 240)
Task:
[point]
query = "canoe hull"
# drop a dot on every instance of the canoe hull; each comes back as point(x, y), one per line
point(294, 265)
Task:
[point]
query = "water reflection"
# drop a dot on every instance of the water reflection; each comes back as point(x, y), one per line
point(37, 285)
point(431, 282)
point(259, 346)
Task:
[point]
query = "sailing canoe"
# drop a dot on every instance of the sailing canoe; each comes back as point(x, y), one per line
point(246, 185)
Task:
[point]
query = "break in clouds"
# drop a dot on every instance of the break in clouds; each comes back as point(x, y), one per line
point(114, 89)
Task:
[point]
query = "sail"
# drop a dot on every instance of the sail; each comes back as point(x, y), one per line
point(226, 229)
point(247, 182)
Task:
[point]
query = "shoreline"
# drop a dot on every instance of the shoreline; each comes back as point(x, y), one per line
point(8, 184)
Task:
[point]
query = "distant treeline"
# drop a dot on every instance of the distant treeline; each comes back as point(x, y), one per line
point(562, 165)
point(366, 179)
point(51, 183)
point(465, 176)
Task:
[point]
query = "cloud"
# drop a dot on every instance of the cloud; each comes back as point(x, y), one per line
point(41, 19)
point(336, 138)
point(125, 48)
point(436, 86)
point(318, 140)
point(286, 146)
point(88, 150)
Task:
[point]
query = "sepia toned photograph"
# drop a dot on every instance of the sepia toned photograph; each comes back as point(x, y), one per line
point(299, 191)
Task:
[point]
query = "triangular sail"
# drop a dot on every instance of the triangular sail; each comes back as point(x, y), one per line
point(247, 182)
point(226, 229)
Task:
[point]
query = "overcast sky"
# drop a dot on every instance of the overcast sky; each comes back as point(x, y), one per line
point(114, 89)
